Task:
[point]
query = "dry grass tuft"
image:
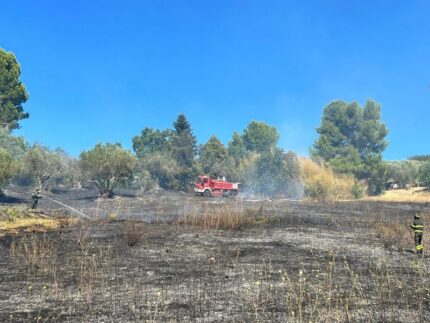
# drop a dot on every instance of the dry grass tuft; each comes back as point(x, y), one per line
point(393, 234)
point(134, 233)
point(222, 217)
point(322, 184)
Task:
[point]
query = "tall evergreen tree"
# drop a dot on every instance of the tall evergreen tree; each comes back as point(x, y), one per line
point(184, 149)
point(352, 139)
point(12, 92)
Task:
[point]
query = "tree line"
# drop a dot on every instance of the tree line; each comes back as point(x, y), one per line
point(351, 141)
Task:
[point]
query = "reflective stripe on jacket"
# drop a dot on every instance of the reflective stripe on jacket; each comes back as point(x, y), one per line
point(417, 226)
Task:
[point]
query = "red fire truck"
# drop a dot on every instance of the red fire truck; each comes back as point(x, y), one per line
point(215, 187)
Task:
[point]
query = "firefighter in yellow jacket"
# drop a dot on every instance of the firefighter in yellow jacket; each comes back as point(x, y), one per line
point(36, 196)
point(418, 228)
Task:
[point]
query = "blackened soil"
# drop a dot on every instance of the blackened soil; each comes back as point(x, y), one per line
point(308, 261)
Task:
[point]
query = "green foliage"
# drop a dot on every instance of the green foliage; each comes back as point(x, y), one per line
point(14, 145)
point(424, 174)
point(403, 172)
point(184, 151)
point(150, 141)
point(8, 167)
point(168, 156)
point(420, 158)
point(357, 191)
point(377, 179)
point(12, 92)
point(161, 168)
point(275, 174)
point(352, 139)
point(236, 148)
point(41, 164)
point(107, 165)
point(260, 137)
point(214, 159)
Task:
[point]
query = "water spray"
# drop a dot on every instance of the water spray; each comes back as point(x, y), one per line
point(68, 207)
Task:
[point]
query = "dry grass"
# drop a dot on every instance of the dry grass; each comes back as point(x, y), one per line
point(134, 233)
point(394, 235)
point(322, 184)
point(222, 217)
point(20, 219)
point(412, 195)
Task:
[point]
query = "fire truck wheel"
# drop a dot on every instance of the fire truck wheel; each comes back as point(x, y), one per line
point(207, 193)
point(231, 194)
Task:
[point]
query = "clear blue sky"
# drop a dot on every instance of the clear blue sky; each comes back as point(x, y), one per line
point(100, 71)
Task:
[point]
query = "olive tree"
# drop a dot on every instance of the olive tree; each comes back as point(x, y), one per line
point(41, 164)
point(107, 165)
point(8, 168)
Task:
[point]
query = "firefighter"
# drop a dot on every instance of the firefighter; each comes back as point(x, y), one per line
point(418, 228)
point(36, 196)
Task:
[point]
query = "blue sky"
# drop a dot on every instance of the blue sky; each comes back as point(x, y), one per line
point(100, 71)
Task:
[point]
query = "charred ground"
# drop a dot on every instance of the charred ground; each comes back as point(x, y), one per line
point(137, 259)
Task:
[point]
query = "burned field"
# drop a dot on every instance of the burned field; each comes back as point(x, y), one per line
point(171, 257)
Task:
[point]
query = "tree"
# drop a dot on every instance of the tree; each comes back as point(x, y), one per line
point(214, 158)
point(12, 92)
point(161, 167)
point(8, 168)
point(275, 174)
point(107, 165)
point(403, 172)
point(260, 137)
point(424, 175)
point(15, 146)
point(420, 158)
point(41, 164)
point(236, 148)
point(184, 150)
point(150, 141)
point(351, 138)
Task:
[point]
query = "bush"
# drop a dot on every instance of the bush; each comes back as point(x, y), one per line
point(424, 176)
point(321, 183)
point(357, 191)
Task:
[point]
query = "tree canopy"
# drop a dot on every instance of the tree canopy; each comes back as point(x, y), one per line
point(214, 158)
point(424, 174)
point(16, 146)
point(107, 165)
point(8, 168)
point(150, 141)
point(260, 137)
point(12, 92)
point(352, 138)
point(41, 164)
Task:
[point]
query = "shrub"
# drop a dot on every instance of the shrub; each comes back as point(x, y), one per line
point(321, 183)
